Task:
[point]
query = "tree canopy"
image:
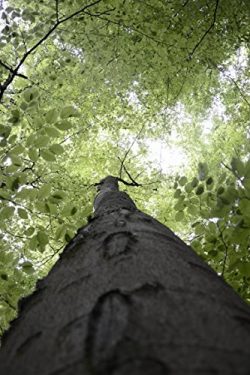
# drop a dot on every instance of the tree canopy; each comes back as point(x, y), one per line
point(156, 93)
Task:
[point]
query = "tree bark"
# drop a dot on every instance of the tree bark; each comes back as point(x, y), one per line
point(128, 297)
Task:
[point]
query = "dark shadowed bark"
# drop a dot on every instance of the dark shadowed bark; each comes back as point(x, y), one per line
point(128, 297)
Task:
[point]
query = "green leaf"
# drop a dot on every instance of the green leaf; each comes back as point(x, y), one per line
point(42, 141)
point(22, 213)
point(179, 216)
point(188, 187)
point(199, 190)
point(51, 208)
point(52, 132)
point(5, 131)
point(64, 125)
point(60, 232)
point(7, 212)
point(192, 210)
point(244, 268)
point(220, 190)
point(238, 167)
point(246, 183)
point(209, 181)
point(57, 149)
point(203, 171)
point(31, 139)
point(15, 116)
point(33, 243)
point(213, 253)
point(15, 184)
point(33, 154)
point(194, 182)
point(69, 111)
point(17, 150)
point(24, 106)
point(42, 238)
point(29, 194)
point(244, 206)
point(199, 229)
point(73, 211)
point(196, 245)
point(59, 195)
point(179, 205)
point(177, 193)
point(16, 160)
point(239, 236)
point(4, 276)
point(66, 211)
point(44, 191)
point(41, 206)
point(30, 94)
point(28, 267)
point(29, 231)
point(67, 237)
point(47, 155)
point(51, 116)
point(212, 227)
point(247, 169)
point(183, 180)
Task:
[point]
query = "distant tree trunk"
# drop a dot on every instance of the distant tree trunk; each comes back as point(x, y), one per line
point(128, 297)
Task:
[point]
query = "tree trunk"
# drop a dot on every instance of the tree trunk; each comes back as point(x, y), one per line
point(128, 297)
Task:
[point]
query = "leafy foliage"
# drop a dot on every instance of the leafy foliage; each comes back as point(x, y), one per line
point(218, 211)
point(96, 88)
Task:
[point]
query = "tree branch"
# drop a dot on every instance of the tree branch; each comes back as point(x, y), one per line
point(206, 32)
point(133, 183)
point(8, 303)
point(220, 69)
point(82, 10)
point(128, 151)
point(14, 72)
point(57, 10)
point(128, 27)
point(51, 256)
point(226, 251)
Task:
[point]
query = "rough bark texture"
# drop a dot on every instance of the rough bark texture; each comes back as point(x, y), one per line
point(128, 297)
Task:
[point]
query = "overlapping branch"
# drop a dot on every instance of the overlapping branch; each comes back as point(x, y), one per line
point(207, 31)
point(14, 72)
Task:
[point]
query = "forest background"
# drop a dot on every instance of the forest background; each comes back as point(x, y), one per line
point(154, 92)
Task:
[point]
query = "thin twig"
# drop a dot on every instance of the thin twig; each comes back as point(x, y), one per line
point(128, 27)
point(50, 257)
point(133, 183)
point(226, 250)
point(206, 32)
point(239, 89)
point(232, 80)
point(57, 10)
point(16, 235)
point(129, 149)
point(183, 6)
point(14, 72)
point(74, 134)
point(82, 10)
point(8, 303)
point(227, 167)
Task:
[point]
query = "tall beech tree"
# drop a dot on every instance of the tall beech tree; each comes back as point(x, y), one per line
point(127, 296)
point(158, 90)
